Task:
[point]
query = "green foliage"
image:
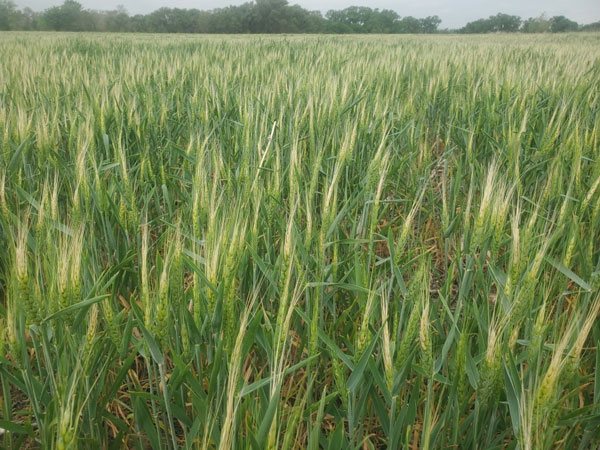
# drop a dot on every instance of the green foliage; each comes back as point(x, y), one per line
point(560, 24)
point(362, 19)
point(262, 16)
point(595, 26)
point(500, 23)
point(299, 242)
point(539, 24)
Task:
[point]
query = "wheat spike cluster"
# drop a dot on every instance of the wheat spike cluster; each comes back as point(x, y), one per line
point(290, 242)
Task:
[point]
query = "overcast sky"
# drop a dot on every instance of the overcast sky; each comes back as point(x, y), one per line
point(454, 13)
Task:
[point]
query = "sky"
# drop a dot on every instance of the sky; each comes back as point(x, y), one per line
point(454, 13)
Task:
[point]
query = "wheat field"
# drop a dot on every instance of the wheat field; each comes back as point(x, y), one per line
point(299, 242)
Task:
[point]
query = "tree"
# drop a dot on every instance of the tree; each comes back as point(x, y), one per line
point(503, 23)
point(31, 19)
point(232, 19)
point(270, 16)
point(262, 16)
point(299, 20)
point(138, 23)
point(10, 17)
point(478, 26)
point(117, 20)
point(560, 24)
point(539, 24)
point(376, 21)
point(595, 26)
point(67, 17)
point(430, 24)
point(356, 19)
point(409, 24)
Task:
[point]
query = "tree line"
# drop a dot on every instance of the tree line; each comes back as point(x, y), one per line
point(261, 16)
point(505, 23)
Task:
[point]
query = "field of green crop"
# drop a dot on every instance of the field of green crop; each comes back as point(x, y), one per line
point(299, 242)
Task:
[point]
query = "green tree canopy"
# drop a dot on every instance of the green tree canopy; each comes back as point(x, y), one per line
point(560, 24)
point(262, 16)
